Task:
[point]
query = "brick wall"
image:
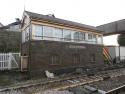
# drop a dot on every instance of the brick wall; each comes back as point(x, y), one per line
point(43, 54)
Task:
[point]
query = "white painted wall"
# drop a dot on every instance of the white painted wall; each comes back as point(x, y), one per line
point(114, 52)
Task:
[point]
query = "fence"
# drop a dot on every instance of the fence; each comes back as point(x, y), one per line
point(9, 61)
point(122, 59)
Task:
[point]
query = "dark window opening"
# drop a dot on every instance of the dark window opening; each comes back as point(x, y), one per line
point(76, 58)
point(55, 60)
point(92, 58)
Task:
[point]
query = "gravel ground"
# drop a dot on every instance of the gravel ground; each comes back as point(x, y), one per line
point(56, 92)
point(105, 85)
point(109, 84)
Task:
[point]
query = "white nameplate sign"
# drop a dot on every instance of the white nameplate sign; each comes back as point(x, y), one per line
point(76, 47)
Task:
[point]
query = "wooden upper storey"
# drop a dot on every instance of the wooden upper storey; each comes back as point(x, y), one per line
point(44, 27)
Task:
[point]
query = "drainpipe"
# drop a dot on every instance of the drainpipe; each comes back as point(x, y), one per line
point(29, 49)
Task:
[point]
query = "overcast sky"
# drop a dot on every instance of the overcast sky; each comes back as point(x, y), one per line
point(90, 12)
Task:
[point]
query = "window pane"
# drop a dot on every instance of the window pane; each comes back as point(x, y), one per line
point(94, 38)
point(89, 36)
point(48, 32)
point(81, 36)
point(37, 32)
point(57, 33)
point(67, 35)
point(76, 36)
point(53, 33)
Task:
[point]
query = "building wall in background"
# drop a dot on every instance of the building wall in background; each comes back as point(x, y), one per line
point(114, 52)
point(10, 41)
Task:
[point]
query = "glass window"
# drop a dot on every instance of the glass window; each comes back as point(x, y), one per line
point(81, 36)
point(37, 32)
point(90, 37)
point(48, 32)
point(94, 38)
point(67, 35)
point(52, 33)
point(76, 36)
point(57, 33)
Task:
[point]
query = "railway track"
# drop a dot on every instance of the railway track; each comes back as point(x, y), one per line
point(117, 90)
point(58, 83)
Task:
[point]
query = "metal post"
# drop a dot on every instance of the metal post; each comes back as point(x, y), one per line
point(119, 54)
